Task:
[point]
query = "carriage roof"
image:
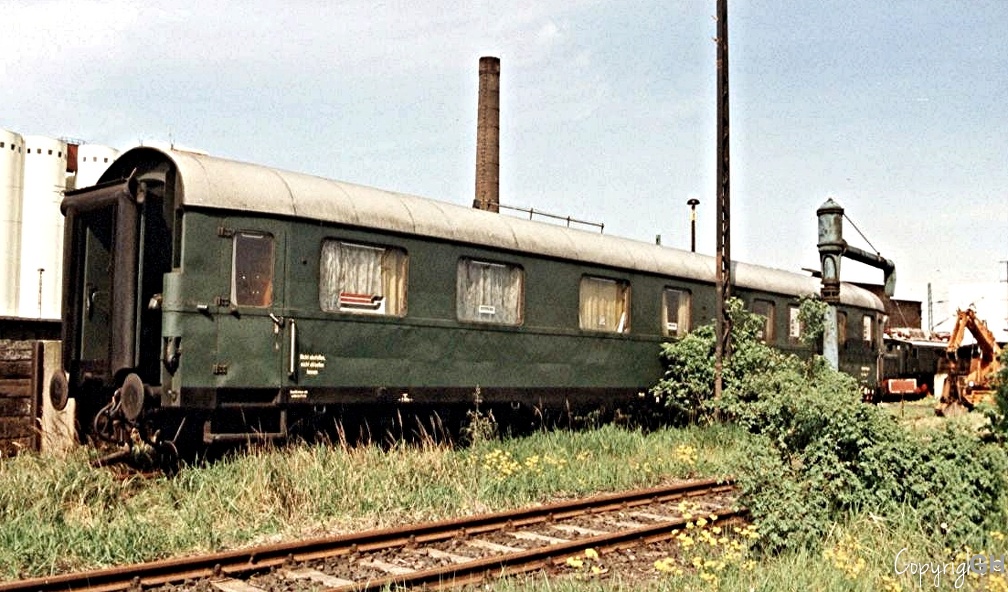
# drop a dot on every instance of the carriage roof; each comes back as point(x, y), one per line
point(205, 181)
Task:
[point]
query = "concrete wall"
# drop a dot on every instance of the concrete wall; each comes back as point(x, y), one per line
point(58, 429)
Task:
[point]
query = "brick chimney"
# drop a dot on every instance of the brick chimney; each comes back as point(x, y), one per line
point(488, 136)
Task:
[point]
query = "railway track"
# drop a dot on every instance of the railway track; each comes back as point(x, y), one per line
point(433, 554)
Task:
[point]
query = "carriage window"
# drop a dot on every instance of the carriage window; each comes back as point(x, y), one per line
point(766, 309)
point(675, 312)
point(362, 279)
point(841, 323)
point(489, 292)
point(866, 328)
point(252, 269)
point(605, 305)
point(794, 324)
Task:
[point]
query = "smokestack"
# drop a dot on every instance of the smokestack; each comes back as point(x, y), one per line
point(488, 136)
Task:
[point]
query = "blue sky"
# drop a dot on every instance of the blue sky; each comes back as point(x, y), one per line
point(896, 109)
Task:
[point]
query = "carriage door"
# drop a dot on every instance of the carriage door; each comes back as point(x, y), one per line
point(251, 327)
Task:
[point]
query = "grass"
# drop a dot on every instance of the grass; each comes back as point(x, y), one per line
point(920, 415)
point(860, 555)
point(58, 514)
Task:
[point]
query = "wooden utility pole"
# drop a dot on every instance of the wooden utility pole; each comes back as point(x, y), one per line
point(722, 279)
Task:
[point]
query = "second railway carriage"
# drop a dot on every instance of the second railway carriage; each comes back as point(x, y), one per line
point(225, 297)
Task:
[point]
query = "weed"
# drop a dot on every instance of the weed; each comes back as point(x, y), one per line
point(479, 427)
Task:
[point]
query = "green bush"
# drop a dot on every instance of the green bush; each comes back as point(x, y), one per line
point(818, 465)
point(822, 454)
point(689, 376)
point(811, 315)
point(687, 386)
point(998, 414)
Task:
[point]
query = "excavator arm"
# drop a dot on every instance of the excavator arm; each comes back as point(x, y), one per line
point(970, 380)
point(989, 349)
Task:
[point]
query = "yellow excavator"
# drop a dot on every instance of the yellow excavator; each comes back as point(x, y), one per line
point(971, 380)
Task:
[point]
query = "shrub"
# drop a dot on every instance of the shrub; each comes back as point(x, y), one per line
point(998, 414)
point(821, 454)
point(689, 375)
point(686, 389)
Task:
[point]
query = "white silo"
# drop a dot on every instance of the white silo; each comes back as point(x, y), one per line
point(92, 161)
point(41, 277)
point(11, 183)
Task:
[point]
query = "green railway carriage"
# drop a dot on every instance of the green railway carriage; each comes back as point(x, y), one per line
point(199, 289)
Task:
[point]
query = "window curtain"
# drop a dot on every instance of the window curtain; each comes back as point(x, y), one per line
point(393, 272)
point(363, 270)
point(603, 305)
point(489, 292)
point(677, 310)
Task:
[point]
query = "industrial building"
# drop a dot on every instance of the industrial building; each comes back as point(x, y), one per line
point(35, 171)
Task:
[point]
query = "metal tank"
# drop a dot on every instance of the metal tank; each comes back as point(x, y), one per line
point(92, 161)
point(41, 272)
point(11, 183)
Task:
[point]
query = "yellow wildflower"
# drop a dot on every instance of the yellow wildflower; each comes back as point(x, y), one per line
point(666, 565)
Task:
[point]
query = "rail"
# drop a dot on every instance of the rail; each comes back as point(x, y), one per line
point(225, 566)
point(534, 212)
